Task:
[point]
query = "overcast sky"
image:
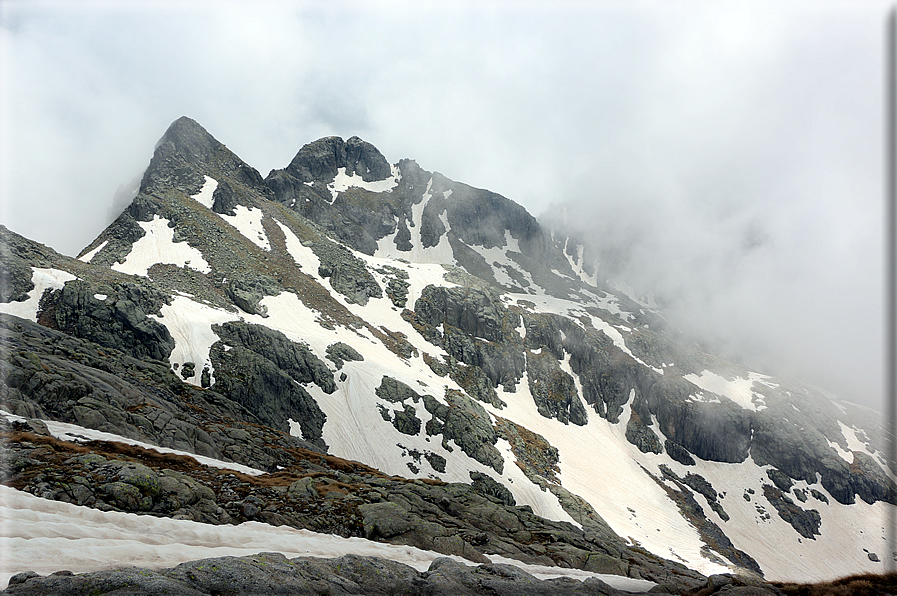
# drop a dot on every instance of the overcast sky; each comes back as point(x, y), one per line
point(733, 149)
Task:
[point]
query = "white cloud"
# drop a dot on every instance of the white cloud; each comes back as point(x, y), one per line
point(691, 125)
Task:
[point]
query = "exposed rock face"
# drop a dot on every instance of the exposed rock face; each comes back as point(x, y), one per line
point(358, 218)
point(47, 374)
point(248, 291)
point(554, 390)
point(339, 353)
point(516, 310)
point(805, 522)
point(712, 431)
point(15, 277)
point(533, 454)
point(118, 320)
point(678, 453)
point(485, 485)
point(185, 152)
point(608, 376)
point(348, 274)
point(640, 435)
point(321, 159)
point(470, 310)
point(262, 372)
point(462, 420)
point(476, 330)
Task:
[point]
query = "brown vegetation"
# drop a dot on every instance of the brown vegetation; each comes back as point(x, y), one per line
point(869, 584)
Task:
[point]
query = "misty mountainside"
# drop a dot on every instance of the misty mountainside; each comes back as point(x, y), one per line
point(393, 355)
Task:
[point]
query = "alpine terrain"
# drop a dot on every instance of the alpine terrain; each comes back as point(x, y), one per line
point(366, 360)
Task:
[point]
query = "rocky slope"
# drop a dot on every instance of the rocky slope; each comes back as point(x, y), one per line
point(344, 309)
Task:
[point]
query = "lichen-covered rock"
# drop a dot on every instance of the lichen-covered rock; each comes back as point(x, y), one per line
point(270, 392)
point(15, 276)
point(486, 485)
point(473, 380)
point(467, 423)
point(462, 420)
point(295, 359)
point(472, 311)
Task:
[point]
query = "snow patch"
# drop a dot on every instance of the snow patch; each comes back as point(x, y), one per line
point(497, 258)
point(304, 256)
point(43, 279)
point(738, 389)
point(577, 265)
point(248, 221)
point(46, 536)
point(190, 324)
point(157, 246)
point(90, 255)
point(342, 182)
point(204, 196)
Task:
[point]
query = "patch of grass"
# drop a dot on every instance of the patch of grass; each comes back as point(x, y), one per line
point(868, 584)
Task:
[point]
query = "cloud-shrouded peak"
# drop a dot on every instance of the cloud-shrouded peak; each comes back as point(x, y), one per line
point(186, 152)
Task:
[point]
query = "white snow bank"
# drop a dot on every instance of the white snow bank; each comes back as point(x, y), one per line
point(190, 325)
point(157, 246)
point(43, 279)
point(739, 390)
point(204, 196)
point(86, 258)
point(619, 582)
point(248, 221)
point(73, 432)
point(342, 182)
point(47, 536)
point(304, 256)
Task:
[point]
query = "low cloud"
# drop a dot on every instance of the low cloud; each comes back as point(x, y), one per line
point(731, 152)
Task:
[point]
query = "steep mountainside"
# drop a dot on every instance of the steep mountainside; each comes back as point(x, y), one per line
point(346, 325)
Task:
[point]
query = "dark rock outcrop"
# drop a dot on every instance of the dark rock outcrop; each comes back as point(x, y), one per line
point(321, 159)
point(348, 274)
point(461, 420)
point(640, 435)
point(553, 390)
point(116, 319)
point(805, 522)
point(248, 291)
point(340, 353)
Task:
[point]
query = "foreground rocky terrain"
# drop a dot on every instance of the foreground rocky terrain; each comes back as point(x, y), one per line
point(271, 573)
point(391, 355)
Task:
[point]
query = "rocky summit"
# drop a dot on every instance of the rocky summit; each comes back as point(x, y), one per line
point(372, 353)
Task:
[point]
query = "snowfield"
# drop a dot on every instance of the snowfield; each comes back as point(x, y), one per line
point(157, 246)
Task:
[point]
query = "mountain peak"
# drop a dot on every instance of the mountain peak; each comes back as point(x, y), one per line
point(321, 160)
point(186, 152)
